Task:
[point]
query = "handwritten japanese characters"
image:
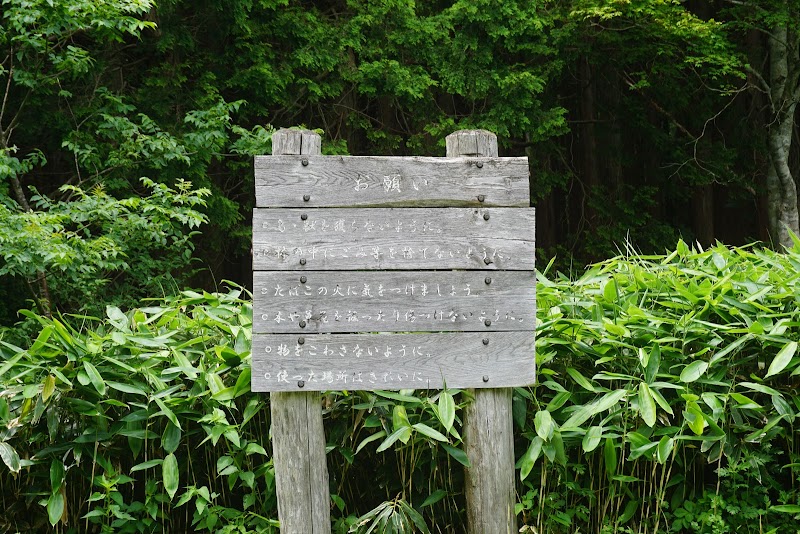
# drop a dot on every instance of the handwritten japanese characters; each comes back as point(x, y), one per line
point(392, 273)
point(400, 301)
point(390, 181)
point(408, 238)
point(391, 361)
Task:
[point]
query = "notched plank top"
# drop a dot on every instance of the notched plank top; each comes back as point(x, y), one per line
point(393, 238)
point(393, 301)
point(319, 362)
point(296, 181)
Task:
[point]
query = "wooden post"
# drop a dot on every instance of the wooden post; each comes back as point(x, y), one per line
point(488, 432)
point(298, 438)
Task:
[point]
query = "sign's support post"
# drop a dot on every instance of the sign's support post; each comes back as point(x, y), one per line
point(298, 438)
point(488, 432)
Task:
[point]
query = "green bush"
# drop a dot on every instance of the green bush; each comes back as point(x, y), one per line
point(667, 399)
point(667, 395)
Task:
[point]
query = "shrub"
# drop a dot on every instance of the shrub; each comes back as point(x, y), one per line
point(667, 399)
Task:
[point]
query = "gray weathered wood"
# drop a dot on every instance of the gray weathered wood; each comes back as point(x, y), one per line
point(361, 181)
point(489, 444)
point(298, 438)
point(488, 437)
point(301, 471)
point(393, 301)
point(394, 238)
point(476, 143)
point(296, 142)
point(281, 362)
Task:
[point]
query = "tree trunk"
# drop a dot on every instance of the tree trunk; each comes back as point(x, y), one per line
point(784, 83)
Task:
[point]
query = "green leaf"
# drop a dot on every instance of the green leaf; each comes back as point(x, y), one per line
point(433, 498)
point(171, 438)
point(94, 377)
point(459, 455)
point(693, 371)
point(581, 380)
point(610, 458)
point(147, 465)
point(543, 422)
point(169, 471)
point(528, 459)
point(647, 406)
point(366, 441)
point(665, 446)
point(167, 412)
point(402, 433)
point(782, 359)
point(786, 508)
point(10, 457)
point(56, 475)
point(602, 404)
point(48, 387)
point(446, 410)
point(653, 364)
point(126, 388)
point(592, 438)
point(428, 431)
point(55, 507)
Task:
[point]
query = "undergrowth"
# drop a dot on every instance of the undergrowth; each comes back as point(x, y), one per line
point(666, 401)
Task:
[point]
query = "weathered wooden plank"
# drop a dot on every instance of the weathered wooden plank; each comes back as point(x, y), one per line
point(359, 181)
point(472, 143)
point(394, 238)
point(488, 436)
point(393, 301)
point(489, 444)
point(301, 471)
point(301, 479)
point(289, 362)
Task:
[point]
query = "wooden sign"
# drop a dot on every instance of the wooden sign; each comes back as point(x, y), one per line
point(389, 361)
point(394, 238)
point(354, 181)
point(396, 295)
point(400, 301)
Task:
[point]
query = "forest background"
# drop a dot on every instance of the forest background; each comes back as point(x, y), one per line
point(644, 121)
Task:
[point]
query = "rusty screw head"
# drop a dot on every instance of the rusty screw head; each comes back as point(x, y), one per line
point(481, 198)
point(302, 324)
point(302, 261)
point(488, 280)
point(304, 161)
point(306, 198)
point(303, 217)
point(301, 340)
point(486, 341)
point(485, 216)
point(479, 164)
point(485, 378)
point(301, 383)
point(488, 322)
point(303, 279)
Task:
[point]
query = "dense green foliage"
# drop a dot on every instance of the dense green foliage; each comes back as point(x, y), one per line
point(667, 401)
point(641, 119)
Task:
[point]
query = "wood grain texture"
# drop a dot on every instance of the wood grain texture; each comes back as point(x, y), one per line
point(296, 142)
point(363, 181)
point(298, 438)
point(481, 143)
point(488, 436)
point(285, 362)
point(393, 301)
point(301, 471)
point(394, 238)
point(489, 444)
